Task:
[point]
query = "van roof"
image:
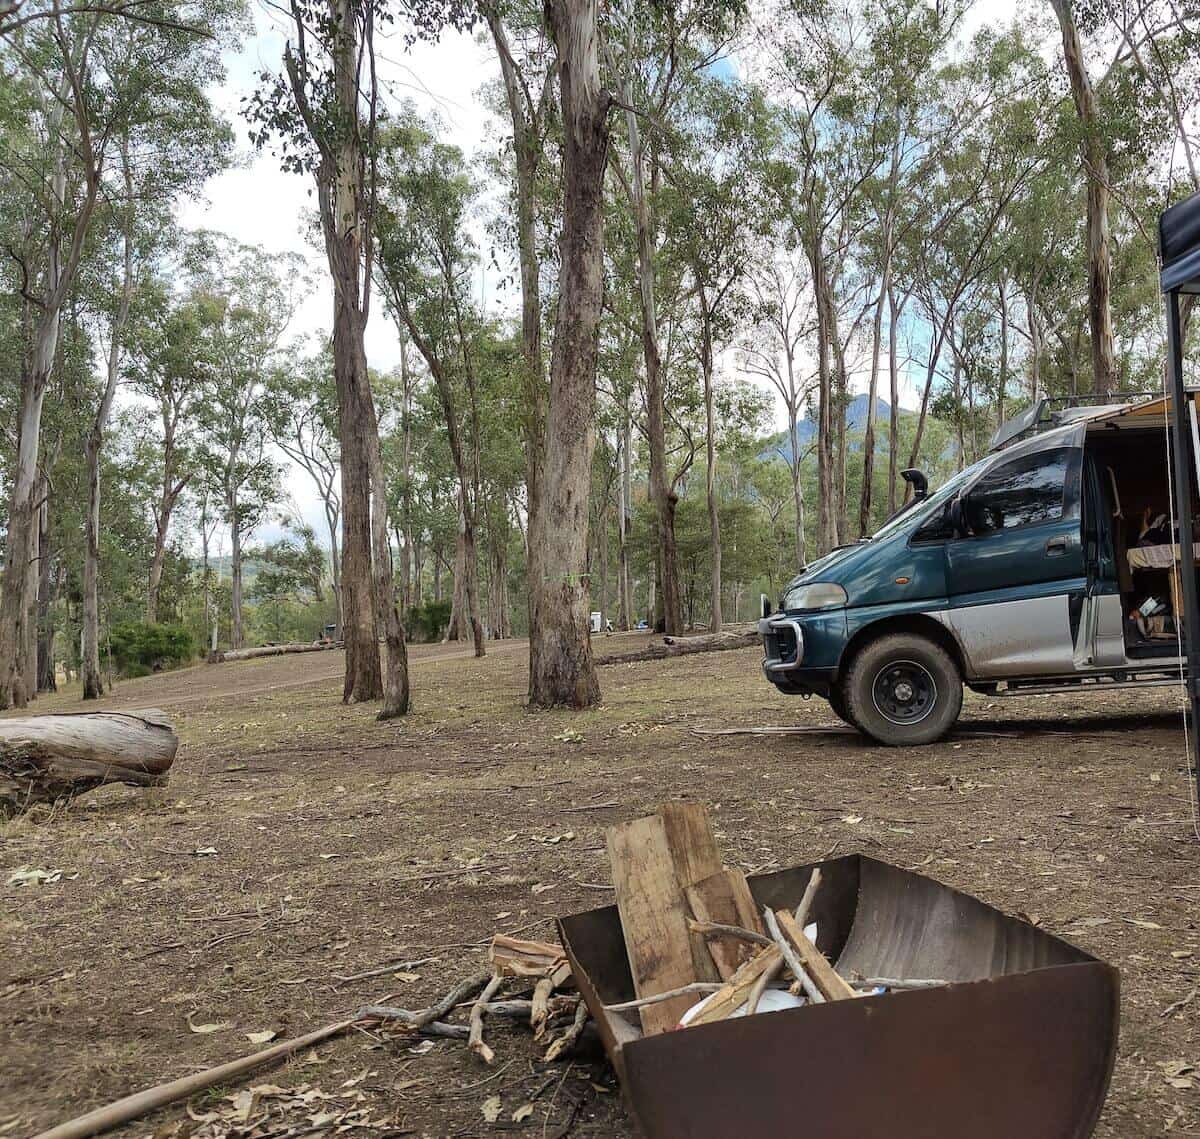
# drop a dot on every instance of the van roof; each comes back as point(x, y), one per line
point(1058, 411)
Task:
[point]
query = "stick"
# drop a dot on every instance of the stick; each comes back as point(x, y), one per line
point(832, 984)
point(793, 961)
point(896, 983)
point(380, 970)
point(568, 1038)
point(475, 1041)
point(716, 929)
point(422, 1017)
point(542, 992)
point(140, 1103)
point(810, 892)
point(683, 991)
point(760, 987)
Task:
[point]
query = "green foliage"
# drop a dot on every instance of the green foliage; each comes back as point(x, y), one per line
point(428, 622)
point(137, 649)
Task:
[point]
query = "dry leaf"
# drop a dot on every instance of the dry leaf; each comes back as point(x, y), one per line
point(542, 887)
point(1143, 924)
point(205, 1029)
point(243, 1105)
point(522, 1112)
point(206, 850)
point(490, 1108)
point(407, 977)
point(261, 1037)
point(852, 819)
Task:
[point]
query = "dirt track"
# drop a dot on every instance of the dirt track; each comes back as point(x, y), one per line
point(342, 843)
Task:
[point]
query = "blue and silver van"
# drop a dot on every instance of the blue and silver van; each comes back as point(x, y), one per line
point(1047, 566)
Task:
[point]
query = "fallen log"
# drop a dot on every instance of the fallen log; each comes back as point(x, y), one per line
point(739, 637)
point(224, 656)
point(47, 758)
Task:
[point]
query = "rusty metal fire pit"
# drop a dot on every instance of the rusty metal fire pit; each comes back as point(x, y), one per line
point(1018, 1045)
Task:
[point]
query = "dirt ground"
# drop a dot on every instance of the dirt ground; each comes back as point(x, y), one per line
point(300, 842)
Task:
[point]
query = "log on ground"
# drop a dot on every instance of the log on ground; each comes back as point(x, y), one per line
point(224, 656)
point(47, 758)
point(737, 637)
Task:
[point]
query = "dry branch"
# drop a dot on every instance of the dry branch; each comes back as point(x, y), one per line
point(270, 651)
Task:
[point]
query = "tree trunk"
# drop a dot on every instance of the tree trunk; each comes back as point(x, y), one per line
point(710, 466)
point(1094, 156)
point(1003, 382)
point(396, 696)
point(562, 670)
point(864, 505)
point(93, 683)
point(826, 505)
point(894, 392)
point(625, 519)
point(47, 681)
point(346, 228)
point(661, 493)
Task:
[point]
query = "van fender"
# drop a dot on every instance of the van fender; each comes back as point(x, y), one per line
point(917, 619)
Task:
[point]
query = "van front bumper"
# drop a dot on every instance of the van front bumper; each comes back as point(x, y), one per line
point(784, 661)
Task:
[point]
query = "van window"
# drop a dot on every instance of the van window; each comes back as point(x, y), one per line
point(1028, 490)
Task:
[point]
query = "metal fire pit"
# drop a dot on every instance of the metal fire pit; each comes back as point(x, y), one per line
point(1019, 1045)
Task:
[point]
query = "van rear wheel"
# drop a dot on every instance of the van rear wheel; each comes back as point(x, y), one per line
point(903, 690)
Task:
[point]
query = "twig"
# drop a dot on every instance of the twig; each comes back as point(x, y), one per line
point(896, 983)
point(568, 1038)
point(588, 807)
point(475, 1041)
point(1181, 1004)
point(793, 961)
point(379, 971)
point(760, 986)
point(683, 991)
point(716, 929)
point(810, 892)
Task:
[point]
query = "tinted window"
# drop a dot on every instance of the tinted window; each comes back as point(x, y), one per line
point(1021, 492)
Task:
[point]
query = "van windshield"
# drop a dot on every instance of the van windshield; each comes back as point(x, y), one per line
point(918, 514)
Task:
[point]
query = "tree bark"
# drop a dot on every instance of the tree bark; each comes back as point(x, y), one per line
point(662, 494)
point(710, 465)
point(47, 758)
point(1094, 156)
point(93, 682)
point(864, 505)
point(562, 669)
point(47, 680)
point(624, 520)
point(346, 227)
point(894, 393)
point(826, 505)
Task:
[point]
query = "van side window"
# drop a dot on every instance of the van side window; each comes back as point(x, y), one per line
point(1042, 487)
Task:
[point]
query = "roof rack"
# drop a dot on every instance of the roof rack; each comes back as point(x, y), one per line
point(1054, 411)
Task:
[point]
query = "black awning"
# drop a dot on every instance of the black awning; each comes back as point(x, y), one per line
point(1179, 244)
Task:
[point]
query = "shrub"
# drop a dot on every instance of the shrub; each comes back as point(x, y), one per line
point(138, 648)
point(427, 622)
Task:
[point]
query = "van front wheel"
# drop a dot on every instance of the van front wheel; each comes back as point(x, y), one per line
point(903, 690)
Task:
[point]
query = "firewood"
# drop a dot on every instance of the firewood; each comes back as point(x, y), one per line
point(475, 1039)
point(568, 1038)
point(46, 758)
point(733, 994)
point(221, 657)
point(653, 919)
point(697, 859)
point(724, 898)
point(794, 962)
point(717, 929)
point(542, 991)
point(831, 983)
point(738, 638)
point(516, 958)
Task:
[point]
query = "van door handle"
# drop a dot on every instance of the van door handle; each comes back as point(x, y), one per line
point(1056, 547)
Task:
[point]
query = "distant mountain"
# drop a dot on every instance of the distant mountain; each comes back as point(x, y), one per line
point(780, 446)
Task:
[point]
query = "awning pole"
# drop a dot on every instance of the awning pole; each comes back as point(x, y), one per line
point(1184, 466)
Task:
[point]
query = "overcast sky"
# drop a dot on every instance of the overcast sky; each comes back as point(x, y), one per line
point(259, 204)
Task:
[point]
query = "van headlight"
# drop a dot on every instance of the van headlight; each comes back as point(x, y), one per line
point(815, 595)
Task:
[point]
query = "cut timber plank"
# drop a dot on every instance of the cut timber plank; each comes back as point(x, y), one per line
point(824, 976)
point(725, 898)
point(653, 918)
point(737, 989)
point(696, 857)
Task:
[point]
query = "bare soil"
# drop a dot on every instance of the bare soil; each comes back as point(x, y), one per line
point(337, 843)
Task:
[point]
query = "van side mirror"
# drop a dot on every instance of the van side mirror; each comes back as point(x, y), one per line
point(956, 515)
point(765, 606)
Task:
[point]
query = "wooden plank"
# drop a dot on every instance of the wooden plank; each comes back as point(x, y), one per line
point(831, 983)
point(690, 837)
point(653, 918)
point(725, 898)
point(737, 989)
point(696, 857)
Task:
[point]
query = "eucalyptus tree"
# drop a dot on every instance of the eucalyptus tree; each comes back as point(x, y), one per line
point(718, 211)
point(304, 426)
point(426, 259)
point(250, 302)
point(83, 78)
point(657, 54)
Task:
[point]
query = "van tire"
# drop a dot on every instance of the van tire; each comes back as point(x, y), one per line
point(837, 701)
point(903, 690)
